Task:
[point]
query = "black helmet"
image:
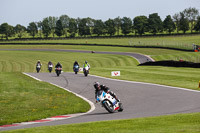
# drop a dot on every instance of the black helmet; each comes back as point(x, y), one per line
point(85, 62)
point(96, 85)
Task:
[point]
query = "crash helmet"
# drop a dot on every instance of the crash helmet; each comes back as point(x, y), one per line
point(96, 85)
point(86, 62)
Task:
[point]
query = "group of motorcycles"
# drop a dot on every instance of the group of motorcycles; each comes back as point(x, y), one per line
point(58, 70)
point(107, 101)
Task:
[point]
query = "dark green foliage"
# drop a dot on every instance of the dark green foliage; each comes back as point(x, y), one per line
point(20, 30)
point(110, 27)
point(7, 30)
point(59, 28)
point(155, 24)
point(98, 27)
point(72, 27)
point(83, 26)
point(32, 29)
point(197, 26)
point(46, 28)
point(126, 25)
point(168, 24)
point(140, 24)
point(184, 23)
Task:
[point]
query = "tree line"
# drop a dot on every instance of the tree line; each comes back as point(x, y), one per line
point(188, 19)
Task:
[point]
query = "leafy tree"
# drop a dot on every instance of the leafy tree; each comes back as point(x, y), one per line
point(110, 27)
point(7, 30)
point(197, 26)
point(98, 27)
point(83, 27)
point(155, 24)
point(140, 24)
point(184, 23)
point(59, 28)
point(32, 29)
point(177, 18)
point(72, 27)
point(65, 23)
point(126, 25)
point(52, 24)
point(45, 27)
point(191, 14)
point(118, 23)
point(20, 30)
point(168, 24)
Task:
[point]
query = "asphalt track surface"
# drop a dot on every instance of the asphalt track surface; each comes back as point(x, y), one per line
point(139, 99)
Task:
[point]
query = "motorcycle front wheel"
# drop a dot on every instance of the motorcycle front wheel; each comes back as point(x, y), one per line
point(109, 108)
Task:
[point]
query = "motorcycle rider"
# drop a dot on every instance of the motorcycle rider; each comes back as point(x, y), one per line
point(38, 63)
point(86, 65)
point(58, 65)
point(99, 87)
point(75, 63)
point(50, 63)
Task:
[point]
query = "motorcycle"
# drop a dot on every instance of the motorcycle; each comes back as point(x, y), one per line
point(76, 69)
point(109, 102)
point(86, 71)
point(50, 67)
point(58, 70)
point(38, 67)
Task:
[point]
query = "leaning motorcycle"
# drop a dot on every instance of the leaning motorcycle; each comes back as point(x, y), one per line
point(38, 67)
point(86, 71)
point(50, 67)
point(58, 70)
point(109, 102)
point(76, 69)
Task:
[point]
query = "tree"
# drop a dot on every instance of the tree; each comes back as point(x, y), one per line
point(191, 14)
point(168, 24)
point(65, 23)
point(72, 27)
point(98, 27)
point(45, 27)
point(110, 27)
point(140, 24)
point(52, 23)
point(118, 23)
point(20, 30)
point(32, 29)
point(177, 18)
point(7, 30)
point(59, 28)
point(126, 25)
point(197, 26)
point(184, 23)
point(83, 27)
point(155, 24)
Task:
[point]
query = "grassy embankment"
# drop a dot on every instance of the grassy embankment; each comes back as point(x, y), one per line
point(183, 42)
point(182, 123)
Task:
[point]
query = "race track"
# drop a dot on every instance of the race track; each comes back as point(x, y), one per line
point(139, 99)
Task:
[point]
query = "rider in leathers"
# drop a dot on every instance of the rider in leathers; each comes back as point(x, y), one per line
point(99, 87)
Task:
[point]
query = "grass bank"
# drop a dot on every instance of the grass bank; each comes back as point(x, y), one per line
point(187, 123)
point(25, 99)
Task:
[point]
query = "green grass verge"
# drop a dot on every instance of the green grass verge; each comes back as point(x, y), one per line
point(181, 123)
point(25, 99)
point(183, 42)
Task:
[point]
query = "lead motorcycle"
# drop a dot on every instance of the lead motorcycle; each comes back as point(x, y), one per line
point(58, 71)
point(109, 102)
